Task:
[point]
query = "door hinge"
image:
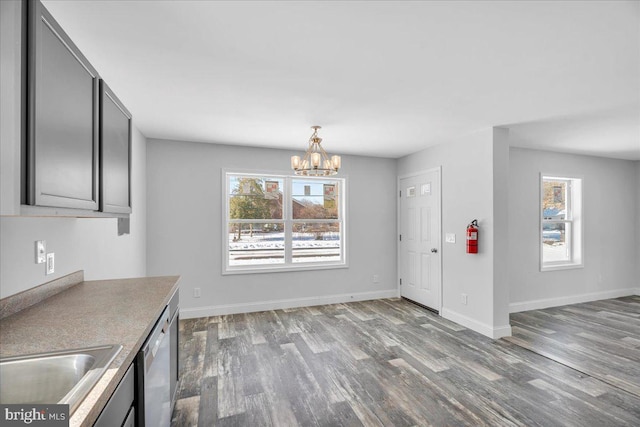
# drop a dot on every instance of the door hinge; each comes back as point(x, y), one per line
point(400, 282)
point(401, 237)
point(400, 193)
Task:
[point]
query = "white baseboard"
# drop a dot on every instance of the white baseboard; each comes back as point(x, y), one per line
point(572, 299)
point(482, 328)
point(218, 310)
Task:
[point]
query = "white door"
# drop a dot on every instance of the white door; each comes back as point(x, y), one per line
point(420, 237)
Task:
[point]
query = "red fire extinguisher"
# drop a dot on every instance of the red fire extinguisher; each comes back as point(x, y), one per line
point(472, 237)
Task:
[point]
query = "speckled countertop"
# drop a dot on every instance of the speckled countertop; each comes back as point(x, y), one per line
point(88, 314)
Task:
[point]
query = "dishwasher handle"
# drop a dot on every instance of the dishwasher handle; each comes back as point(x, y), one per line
point(155, 339)
point(156, 345)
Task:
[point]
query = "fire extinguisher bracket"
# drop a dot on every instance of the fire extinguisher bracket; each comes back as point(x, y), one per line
point(472, 237)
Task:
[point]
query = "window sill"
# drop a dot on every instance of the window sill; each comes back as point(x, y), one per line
point(283, 269)
point(568, 266)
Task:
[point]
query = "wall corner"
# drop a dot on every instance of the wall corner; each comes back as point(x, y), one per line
point(501, 229)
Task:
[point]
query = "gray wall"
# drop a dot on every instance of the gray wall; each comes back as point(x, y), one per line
point(610, 210)
point(184, 230)
point(89, 244)
point(472, 169)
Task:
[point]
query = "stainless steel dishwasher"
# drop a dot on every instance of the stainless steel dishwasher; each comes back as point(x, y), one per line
point(154, 374)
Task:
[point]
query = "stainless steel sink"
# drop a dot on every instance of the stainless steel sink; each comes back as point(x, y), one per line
point(56, 377)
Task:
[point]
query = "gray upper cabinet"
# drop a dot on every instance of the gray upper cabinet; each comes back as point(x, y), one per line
point(62, 118)
point(115, 153)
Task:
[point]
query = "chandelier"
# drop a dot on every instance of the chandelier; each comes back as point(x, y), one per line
point(315, 161)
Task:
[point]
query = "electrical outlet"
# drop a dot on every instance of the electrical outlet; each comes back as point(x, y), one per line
point(376, 278)
point(465, 299)
point(450, 238)
point(51, 267)
point(196, 292)
point(41, 251)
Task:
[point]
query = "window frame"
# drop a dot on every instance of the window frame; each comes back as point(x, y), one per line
point(288, 222)
point(574, 237)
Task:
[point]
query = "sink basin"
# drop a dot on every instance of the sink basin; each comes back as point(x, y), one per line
point(57, 377)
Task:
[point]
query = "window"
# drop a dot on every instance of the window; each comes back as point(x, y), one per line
point(278, 222)
point(561, 223)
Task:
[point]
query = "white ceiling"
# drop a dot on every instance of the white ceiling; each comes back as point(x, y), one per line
point(382, 78)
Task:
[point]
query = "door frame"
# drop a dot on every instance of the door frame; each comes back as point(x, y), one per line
point(398, 229)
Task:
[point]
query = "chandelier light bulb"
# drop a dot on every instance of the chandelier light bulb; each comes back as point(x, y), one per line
point(295, 162)
point(315, 160)
point(336, 162)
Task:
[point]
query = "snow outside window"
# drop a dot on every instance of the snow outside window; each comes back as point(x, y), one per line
point(279, 222)
point(561, 222)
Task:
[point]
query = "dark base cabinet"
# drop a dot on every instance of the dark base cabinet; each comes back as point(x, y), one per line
point(131, 418)
point(120, 409)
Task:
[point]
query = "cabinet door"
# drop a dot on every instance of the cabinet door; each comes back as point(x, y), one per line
point(118, 408)
point(62, 133)
point(115, 153)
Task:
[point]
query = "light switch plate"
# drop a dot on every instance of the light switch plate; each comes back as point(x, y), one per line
point(51, 263)
point(41, 251)
point(450, 238)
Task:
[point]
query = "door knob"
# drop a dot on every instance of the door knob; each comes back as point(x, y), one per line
point(434, 250)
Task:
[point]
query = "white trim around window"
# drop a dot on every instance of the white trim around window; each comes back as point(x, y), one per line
point(561, 237)
point(295, 223)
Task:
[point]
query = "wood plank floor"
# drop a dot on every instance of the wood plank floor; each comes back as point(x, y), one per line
point(600, 338)
point(383, 362)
